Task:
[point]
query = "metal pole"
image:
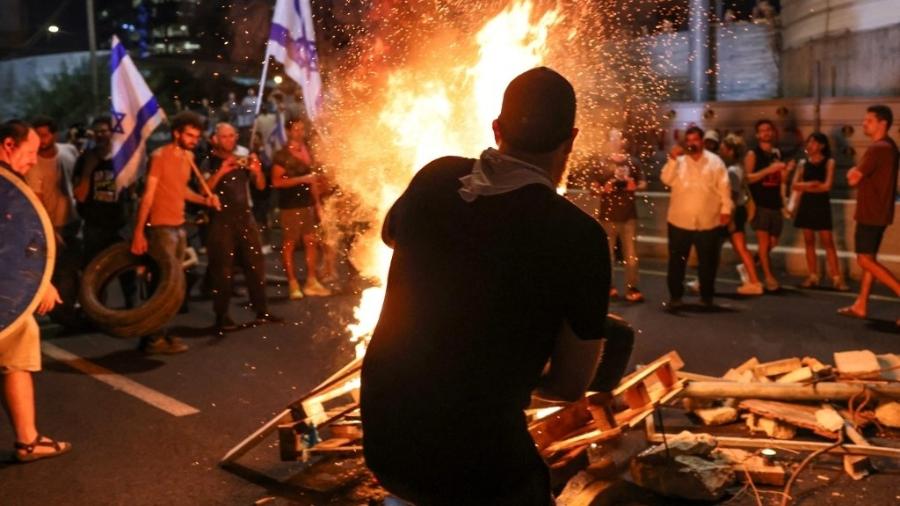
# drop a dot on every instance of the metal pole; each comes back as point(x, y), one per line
point(818, 96)
point(699, 41)
point(92, 44)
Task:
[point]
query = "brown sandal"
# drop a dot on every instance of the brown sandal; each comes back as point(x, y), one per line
point(59, 448)
point(850, 313)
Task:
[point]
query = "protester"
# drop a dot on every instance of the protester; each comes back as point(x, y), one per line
point(765, 174)
point(293, 178)
point(732, 150)
point(620, 177)
point(161, 209)
point(876, 181)
point(711, 141)
point(20, 350)
point(233, 233)
point(262, 198)
point(51, 180)
point(246, 115)
point(700, 203)
point(493, 272)
point(812, 184)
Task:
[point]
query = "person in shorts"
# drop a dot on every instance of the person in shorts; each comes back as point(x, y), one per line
point(876, 181)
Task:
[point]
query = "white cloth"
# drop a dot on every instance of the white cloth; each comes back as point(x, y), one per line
point(738, 189)
point(700, 189)
point(292, 41)
point(495, 173)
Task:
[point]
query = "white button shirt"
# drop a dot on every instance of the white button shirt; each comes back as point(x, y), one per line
point(700, 189)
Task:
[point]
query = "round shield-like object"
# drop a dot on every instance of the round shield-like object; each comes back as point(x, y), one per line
point(27, 251)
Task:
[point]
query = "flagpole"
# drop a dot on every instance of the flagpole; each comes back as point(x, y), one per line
point(259, 97)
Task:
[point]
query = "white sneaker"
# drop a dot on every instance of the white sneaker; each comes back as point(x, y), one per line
point(751, 289)
point(742, 272)
point(693, 285)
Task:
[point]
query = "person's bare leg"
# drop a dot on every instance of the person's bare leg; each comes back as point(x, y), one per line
point(870, 264)
point(860, 306)
point(287, 258)
point(739, 242)
point(831, 256)
point(765, 247)
point(812, 262)
point(311, 249)
point(18, 399)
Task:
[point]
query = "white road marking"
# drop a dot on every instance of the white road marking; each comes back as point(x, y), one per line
point(156, 399)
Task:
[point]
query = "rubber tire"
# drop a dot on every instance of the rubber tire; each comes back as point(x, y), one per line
point(145, 319)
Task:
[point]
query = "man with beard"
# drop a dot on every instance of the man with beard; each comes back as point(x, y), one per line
point(161, 210)
point(493, 275)
point(233, 232)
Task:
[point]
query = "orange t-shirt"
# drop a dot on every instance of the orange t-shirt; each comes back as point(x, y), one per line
point(172, 166)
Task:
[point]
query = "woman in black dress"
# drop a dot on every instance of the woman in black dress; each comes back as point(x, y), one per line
point(813, 180)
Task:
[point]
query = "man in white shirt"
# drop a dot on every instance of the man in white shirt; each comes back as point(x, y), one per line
point(699, 205)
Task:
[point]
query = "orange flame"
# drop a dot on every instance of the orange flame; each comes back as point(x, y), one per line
point(430, 118)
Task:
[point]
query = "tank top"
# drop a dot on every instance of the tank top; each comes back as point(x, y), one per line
point(766, 193)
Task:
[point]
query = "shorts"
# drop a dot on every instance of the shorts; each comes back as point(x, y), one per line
point(296, 223)
point(867, 238)
point(21, 349)
point(767, 220)
point(738, 220)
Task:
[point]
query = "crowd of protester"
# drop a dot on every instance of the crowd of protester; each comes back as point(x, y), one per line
point(719, 187)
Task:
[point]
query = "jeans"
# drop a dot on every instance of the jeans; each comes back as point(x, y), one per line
point(626, 232)
point(708, 246)
point(233, 237)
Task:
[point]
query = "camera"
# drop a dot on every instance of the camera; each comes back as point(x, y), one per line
point(242, 162)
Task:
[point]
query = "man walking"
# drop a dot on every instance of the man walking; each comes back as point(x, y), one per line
point(20, 350)
point(161, 209)
point(233, 232)
point(765, 173)
point(699, 205)
point(876, 181)
point(492, 273)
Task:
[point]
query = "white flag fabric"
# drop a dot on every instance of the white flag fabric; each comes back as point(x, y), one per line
point(135, 114)
point(292, 41)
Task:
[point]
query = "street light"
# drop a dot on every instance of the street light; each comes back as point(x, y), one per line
point(277, 79)
point(53, 29)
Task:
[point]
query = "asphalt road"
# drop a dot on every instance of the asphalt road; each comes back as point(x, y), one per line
point(129, 452)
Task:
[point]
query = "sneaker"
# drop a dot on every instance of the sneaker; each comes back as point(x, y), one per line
point(772, 285)
point(315, 289)
point(673, 305)
point(751, 289)
point(634, 295)
point(159, 345)
point(742, 272)
point(263, 318)
point(811, 281)
point(693, 285)
point(837, 282)
point(294, 292)
point(266, 249)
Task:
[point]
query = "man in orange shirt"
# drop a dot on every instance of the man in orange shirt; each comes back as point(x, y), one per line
point(161, 211)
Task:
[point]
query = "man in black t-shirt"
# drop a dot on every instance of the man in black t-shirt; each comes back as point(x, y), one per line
point(233, 232)
point(493, 274)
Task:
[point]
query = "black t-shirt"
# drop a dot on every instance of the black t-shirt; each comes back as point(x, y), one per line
point(619, 205)
point(766, 193)
point(476, 295)
point(296, 196)
point(233, 189)
point(103, 207)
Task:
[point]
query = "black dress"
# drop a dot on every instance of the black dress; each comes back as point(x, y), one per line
point(815, 208)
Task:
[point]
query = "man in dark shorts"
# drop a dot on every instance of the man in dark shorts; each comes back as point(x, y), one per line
point(765, 173)
point(161, 209)
point(233, 232)
point(493, 274)
point(876, 181)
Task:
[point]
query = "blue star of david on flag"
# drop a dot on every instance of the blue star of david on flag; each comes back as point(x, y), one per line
point(292, 42)
point(117, 118)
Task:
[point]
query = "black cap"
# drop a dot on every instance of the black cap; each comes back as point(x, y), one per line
point(538, 111)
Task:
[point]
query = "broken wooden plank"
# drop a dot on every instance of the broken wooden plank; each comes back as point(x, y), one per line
point(888, 413)
point(890, 366)
point(814, 364)
point(777, 367)
point(760, 470)
point(794, 414)
point(787, 391)
point(773, 428)
point(859, 364)
point(716, 416)
point(801, 375)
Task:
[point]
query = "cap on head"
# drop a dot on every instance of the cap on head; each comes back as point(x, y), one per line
point(711, 135)
point(538, 111)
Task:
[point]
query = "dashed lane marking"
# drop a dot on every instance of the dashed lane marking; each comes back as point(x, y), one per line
point(152, 397)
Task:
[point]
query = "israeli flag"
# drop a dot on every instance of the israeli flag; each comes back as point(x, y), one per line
point(292, 41)
point(135, 114)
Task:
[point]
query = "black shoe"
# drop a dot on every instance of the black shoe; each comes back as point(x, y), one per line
point(225, 324)
point(263, 318)
point(673, 305)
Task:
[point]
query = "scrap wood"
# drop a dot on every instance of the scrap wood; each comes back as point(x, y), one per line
point(794, 414)
point(857, 364)
point(752, 467)
point(801, 375)
point(772, 428)
point(777, 367)
point(890, 366)
point(835, 391)
point(816, 366)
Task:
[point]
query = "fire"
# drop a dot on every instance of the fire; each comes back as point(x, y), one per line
point(449, 112)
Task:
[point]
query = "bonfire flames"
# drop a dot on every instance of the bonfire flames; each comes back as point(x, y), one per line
point(408, 98)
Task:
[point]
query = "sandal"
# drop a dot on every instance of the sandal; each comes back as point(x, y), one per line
point(634, 295)
point(59, 448)
point(850, 313)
